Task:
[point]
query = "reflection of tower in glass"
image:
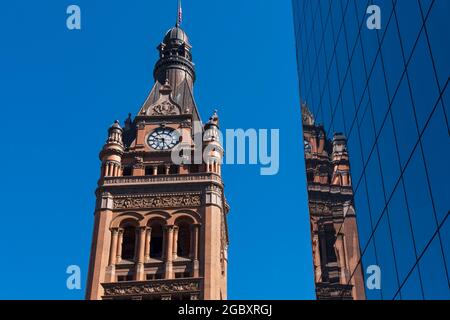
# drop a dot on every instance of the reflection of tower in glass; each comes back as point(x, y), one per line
point(388, 91)
point(334, 234)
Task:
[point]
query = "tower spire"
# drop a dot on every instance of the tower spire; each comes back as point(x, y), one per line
point(179, 15)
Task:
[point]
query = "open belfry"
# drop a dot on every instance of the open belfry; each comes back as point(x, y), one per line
point(160, 230)
point(336, 253)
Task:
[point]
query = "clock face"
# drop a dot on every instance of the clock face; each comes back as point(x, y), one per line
point(163, 139)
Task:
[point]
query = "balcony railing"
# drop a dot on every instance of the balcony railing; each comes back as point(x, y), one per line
point(161, 179)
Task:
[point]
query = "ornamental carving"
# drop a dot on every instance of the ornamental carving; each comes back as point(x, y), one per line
point(158, 202)
point(319, 208)
point(150, 288)
point(165, 108)
point(324, 292)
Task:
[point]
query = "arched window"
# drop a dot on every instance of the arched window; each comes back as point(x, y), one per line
point(129, 243)
point(184, 240)
point(156, 241)
point(127, 171)
point(307, 147)
point(161, 170)
point(174, 169)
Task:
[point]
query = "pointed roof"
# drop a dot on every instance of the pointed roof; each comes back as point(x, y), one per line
point(307, 116)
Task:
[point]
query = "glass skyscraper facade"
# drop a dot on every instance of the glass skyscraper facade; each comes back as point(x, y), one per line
point(387, 91)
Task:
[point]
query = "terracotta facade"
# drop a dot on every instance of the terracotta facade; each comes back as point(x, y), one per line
point(334, 235)
point(160, 229)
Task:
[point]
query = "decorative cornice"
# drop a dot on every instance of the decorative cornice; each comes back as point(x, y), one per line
point(110, 151)
point(325, 291)
point(326, 188)
point(149, 202)
point(157, 287)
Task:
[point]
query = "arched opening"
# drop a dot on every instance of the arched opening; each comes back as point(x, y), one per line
point(184, 240)
point(129, 243)
point(148, 170)
point(174, 169)
point(161, 170)
point(156, 241)
point(127, 171)
point(195, 168)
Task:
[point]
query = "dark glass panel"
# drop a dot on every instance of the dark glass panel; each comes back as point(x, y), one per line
point(419, 201)
point(363, 215)
point(434, 278)
point(388, 157)
point(402, 237)
point(436, 146)
point(378, 95)
point(375, 187)
point(438, 28)
point(423, 82)
point(412, 289)
point(404, 122)
point(383, 242)
point(392, 57)
point(410, 23)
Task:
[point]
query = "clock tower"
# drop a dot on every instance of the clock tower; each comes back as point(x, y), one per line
point(160, 230)
point(336, 254)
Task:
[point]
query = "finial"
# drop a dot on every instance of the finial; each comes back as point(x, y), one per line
point(179, 15)
point(128, 122)
point(214, 119)
point(116, 125)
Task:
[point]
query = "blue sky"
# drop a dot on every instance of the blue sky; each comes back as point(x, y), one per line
point(61, 89)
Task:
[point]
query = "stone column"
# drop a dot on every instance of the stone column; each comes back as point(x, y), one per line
point(155, 170)
point(342, 258)
point(169, 252)
point(148, 238)
point(113, 249)
point(164, 242)
point(195, 228)
point(316, 257)
point(119, 246)
point(175, 242)
point(141, 255)
point(110, 275)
